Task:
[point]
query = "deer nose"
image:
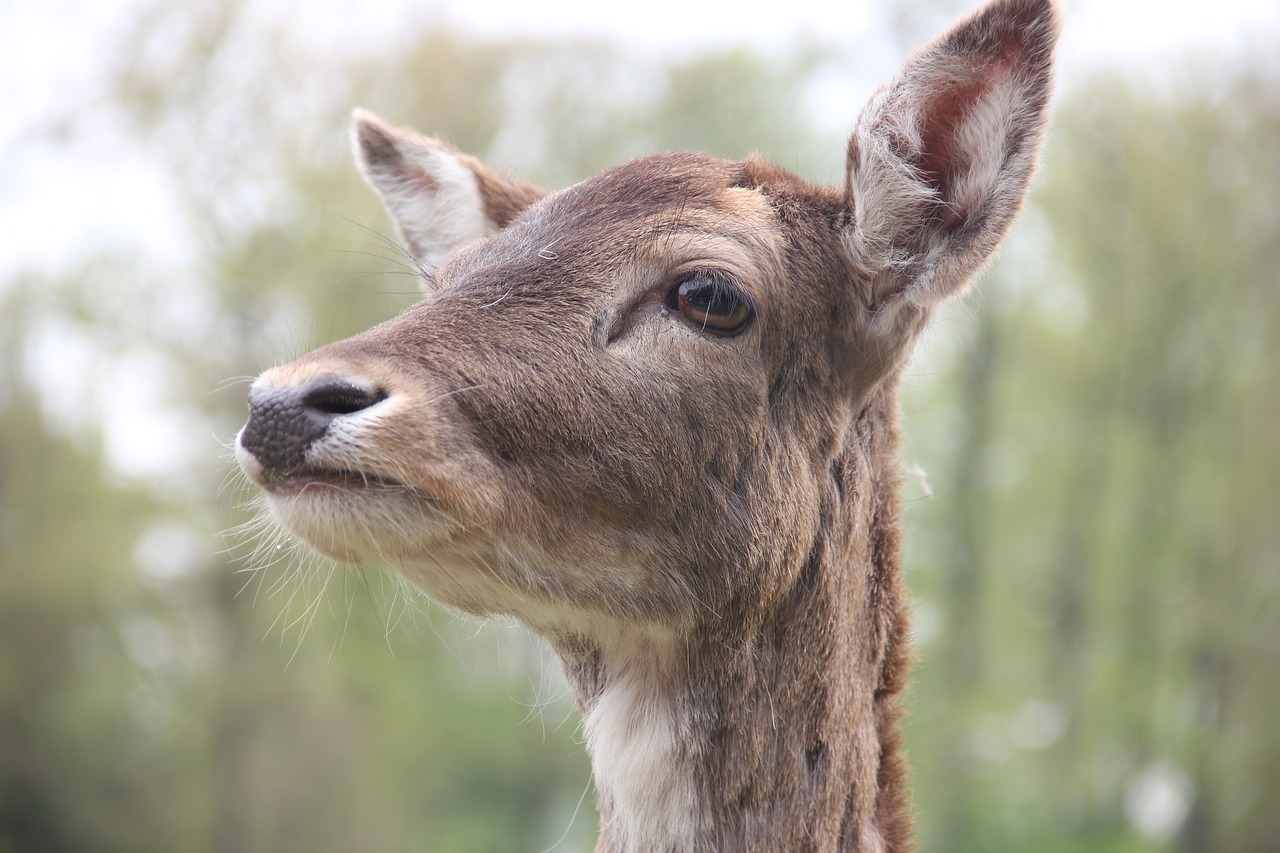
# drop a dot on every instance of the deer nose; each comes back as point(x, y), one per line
point(285, 422)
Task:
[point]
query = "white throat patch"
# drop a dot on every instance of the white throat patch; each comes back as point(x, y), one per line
point(641, 750)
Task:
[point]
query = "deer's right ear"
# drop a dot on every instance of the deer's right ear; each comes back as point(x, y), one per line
point(439, 198)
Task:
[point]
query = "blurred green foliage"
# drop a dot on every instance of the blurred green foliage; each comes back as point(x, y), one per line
point(1094, 547)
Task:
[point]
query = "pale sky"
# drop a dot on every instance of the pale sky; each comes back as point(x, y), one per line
point(1110, 28)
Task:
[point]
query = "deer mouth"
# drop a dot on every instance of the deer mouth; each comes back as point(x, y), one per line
point(298, 481)
point(354, 517)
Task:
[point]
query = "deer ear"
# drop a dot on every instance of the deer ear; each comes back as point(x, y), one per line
point(941, 157)
point(439, 198)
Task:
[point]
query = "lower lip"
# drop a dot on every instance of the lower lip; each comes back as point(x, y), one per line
point(341, 482)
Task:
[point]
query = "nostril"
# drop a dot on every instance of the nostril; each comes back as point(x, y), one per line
point(285, 422)
point(337, 397)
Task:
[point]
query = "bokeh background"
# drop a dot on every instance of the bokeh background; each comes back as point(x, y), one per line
point(1093, 508)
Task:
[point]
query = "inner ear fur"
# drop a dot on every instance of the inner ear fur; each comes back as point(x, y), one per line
point(941, 157)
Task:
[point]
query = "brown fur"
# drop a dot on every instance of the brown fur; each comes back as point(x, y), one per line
point(704, 526)
point(504, 197)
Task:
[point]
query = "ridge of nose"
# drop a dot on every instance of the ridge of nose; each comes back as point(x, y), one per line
point(285, 422)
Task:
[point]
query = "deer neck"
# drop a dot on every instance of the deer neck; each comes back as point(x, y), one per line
point(773, 730)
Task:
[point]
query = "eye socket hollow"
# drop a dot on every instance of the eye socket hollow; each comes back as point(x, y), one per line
point(712, 303)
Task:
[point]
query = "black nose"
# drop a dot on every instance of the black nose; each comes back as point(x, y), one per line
point(285, 422)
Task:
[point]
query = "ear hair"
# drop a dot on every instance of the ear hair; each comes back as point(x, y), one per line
point(439, 198)
point(941, 157)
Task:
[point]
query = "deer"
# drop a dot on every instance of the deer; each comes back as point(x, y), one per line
point(653, 417)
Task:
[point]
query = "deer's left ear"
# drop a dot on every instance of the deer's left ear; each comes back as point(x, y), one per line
point(941, 157)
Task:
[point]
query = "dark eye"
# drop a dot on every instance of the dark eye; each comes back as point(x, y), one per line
point(712, 303)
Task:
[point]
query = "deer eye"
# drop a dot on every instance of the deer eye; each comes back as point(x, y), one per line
point(712, 303)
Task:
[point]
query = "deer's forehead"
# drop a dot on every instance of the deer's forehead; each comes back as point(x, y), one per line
point(593, 234)
point(652, 195)
point(739, 230)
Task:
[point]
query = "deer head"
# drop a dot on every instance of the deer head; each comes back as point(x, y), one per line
point(653, 417)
